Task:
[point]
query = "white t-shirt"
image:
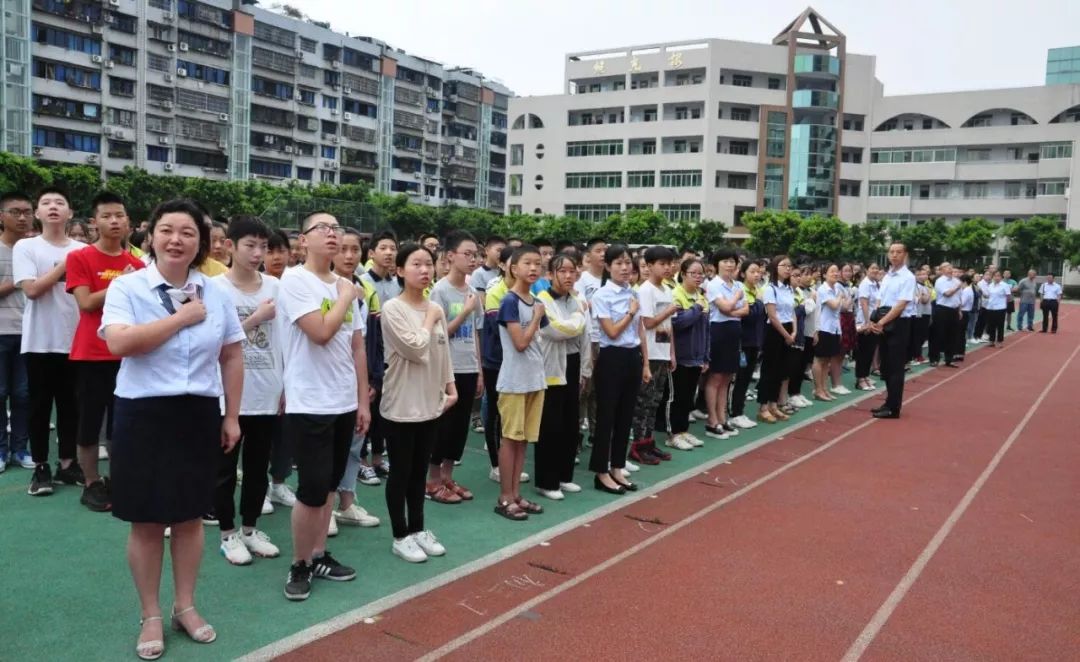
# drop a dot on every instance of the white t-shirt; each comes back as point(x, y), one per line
point(588, 285)
point(319, 379)
point(263, 370)
point(654, 301)
point(50, 320)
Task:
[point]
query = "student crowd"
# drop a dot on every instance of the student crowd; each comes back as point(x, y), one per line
point(190, 339)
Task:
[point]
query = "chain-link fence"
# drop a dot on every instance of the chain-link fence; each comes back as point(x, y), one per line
point(288, 213)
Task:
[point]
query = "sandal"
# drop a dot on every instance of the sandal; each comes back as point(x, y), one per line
point(529, 507)
point(204, 634)
point(441, 494)
point(511, 510)
point(152, 649)
point(462, 492)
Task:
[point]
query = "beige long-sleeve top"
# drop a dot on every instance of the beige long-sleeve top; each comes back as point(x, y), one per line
point(418, 364)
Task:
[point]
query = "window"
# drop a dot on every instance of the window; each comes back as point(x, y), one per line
point(157, 153)
point(515, 185)
point(591, 212)
point(270, 168)
point(72, 140)
point(979, 121)
point(648, 147)
point(71, 41)
point(211, 160)
point(308, 46)
point(774, 83)
point(676, 213)
point(940, 154)
point(740, 114)
point(849, 189)
point(308, 71)
point(119, 117)
point(774, 186)
point(853, 123)
point(517, 155)
point(122, 55)
point(158, 62)
point(307, 97)
point(640, 179)
point(121, 87)
point(977, 155)
point(976, 190)
point(742, 80)
point(680, 178)
point(734, 180)
point(328, 152)
point(158, 31)
point(776, 135)
point(890, 189)
point(268, 59)
point(740, 147)
point(276, 35)
point(329, 102)
point(67, 73)
point(927, 123)
point(593, 180)
point(210, 74)
point(594, 148)
point(1056, 151)
point(197, 42)
point(58, 107)
point(1050, 187)
point(304, 173)
point(205, 102)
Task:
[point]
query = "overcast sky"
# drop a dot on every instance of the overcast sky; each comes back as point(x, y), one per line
point(921, 45)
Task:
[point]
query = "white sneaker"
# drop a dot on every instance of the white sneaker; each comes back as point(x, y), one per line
point(572, 488)
point(717, 433)
point(679, 442)
point(743, 422)
point(282, 494)
point(332, 530)
point(427, 541)
point(354, 515)
point(258, 543)
point(840, 390)
point(407, 549)
point(102, 453)
point(524, 477)
point(554, 495)
point(631, 467)
point(699, 415)
point(494, 474)
point(168, 532)
point(693, 440)
point(368, 476)
point(268, 508)
point(234, 551)
point(805, 402)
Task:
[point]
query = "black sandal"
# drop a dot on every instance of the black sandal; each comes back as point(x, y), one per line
point(529, 507)
point(511, 511)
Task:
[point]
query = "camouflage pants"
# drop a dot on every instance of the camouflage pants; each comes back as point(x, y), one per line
point(648, 399)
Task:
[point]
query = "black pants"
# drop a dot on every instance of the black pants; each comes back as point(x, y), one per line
point(617, 374)
point(865, 346)
point(995, 324)
point(685, 381)
point(492, 422)
point(256, 440)
point(960, 348)
point(894, 353)
point(558, 441)
point(453, 425)
point(410, 446)
point(1048, 308)
point(662, 422)
point(920, 331)
point(96, 381)
point(946, 328)
point(775, 362)
point(980, 323)
point(51, 378)
point(797, 370)
point(376, 435)
point(281, 457)
point(742, 382)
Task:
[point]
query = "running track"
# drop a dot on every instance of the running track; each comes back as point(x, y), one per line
point(950, 534)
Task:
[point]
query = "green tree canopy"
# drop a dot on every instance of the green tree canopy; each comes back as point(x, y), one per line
point(821, 237)
point(1033, 241)
point(772, 232)
point(927, 243)
point(866, 242)
point(970, 240)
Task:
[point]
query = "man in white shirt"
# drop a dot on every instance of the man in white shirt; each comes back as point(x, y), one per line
point(1051, 295)
point(898, 308)
point(946, 324)
point(16, 213)
point(657, 307)
point(39, 267)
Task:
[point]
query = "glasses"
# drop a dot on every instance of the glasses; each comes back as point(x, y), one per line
point(324, 228)
point(24, 213)
point(468, 255)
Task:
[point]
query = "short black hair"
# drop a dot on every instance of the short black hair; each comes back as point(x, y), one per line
point(506, 253)
point(383, 235)
point(307, 218)
point(543, 243)
point(562, 244)
point(197, 214)
point(246, 225)
point(407, 249)
point(279, 240)
point(455, 239)
point(427, 235)
point(658, 254)
point(495, 239)
point(723, 254)
point(104, 198)
point(14, 196)
point(353, 232)
point(55, 190)
point(594, 241)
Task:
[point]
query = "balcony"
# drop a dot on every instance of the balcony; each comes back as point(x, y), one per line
point(821, 99)
point(817, 64)
point(735, 162)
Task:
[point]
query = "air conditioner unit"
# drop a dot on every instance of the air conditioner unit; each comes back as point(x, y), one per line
point(107, 131)
point(164, 140)
point(168, 18)
point(334, 112)
point(427, 198)
point(109, 64)
point(298, 96)
point(334, 86)
point(417, 174)
point(167, 105)
point(169, 167)
point(114, 3)
point(37, 151)
point(299, 53)
point(336, 64)
point(347, 117)
point(96, 59)
point(169, 78)
point(336, 140)
point(346, 90)
point(118, 134)
point(181, 72)
point(92, 158)
point(96, 29)
point(183, 47)
point(172, 48)
point(289, 149)
point(431, 92)
point(224, 117)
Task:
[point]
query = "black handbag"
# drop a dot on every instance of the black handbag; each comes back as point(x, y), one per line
point(879, 313)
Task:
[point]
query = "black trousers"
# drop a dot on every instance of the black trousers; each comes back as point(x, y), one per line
point(920, 332)
point(376, 435)
point(894, 353)
point(558, 441)
point(51, 378)
point(453, 426)
point(865, 346)
point(410, 446)
point(256, 440)
point(980, 323)
point(742, 381)
point(492, 422)
point(960, 348)
point(617, 375)
point(281, 457)
point(1048, 308)
point(777, 357)
point(684, 383)
point(797, 371)
point(94, 388)
point(995, 324)
point(946, 328)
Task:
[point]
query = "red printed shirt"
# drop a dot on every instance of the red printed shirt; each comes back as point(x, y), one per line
point(91, 268)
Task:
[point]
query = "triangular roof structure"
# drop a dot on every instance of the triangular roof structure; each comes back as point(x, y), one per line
point(822, 34)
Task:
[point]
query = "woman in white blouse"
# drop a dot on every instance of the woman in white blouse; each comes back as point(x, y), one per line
point(179, 336)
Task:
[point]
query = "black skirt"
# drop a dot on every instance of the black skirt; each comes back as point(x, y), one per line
point(828, 345)
point(164, 456)
point(725, 340)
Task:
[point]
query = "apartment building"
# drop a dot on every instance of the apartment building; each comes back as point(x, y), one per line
point(715, 128)
point(228, 90)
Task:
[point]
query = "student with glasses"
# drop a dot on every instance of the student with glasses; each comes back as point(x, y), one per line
point(17, 214)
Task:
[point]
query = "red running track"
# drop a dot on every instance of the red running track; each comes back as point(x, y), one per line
point(949, 534)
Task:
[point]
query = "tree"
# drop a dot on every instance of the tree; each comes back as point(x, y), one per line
point(926, 242)
point(1071, 248)
point(820, 237)
point(970, 240)
point(704, 235)
point(572, 228)
point(865, 242)
point(21, 174)
point(772, 232)
point(1034, 240)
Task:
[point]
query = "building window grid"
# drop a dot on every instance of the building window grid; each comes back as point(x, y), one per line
point(1053, 186)
point(203, 72)
point(890, 189)
point(640, 179)
point(72, 140)
point(1056, 151)
point(595, 148)
point(680, 178)
point(681, 212)
point(576, 180)
point(71, 41)
point(934, 155)
point(595, 213)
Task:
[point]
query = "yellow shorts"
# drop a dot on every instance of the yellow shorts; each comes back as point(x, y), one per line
point(521, 414)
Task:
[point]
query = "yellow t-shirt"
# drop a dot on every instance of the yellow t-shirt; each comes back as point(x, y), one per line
point(211, 267)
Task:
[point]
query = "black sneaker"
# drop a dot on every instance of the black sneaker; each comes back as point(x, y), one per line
point(72, 475)
point(41, 483)
point(210, 519)
point(298, 585)
point(95, 496)
point(381, 470)
point(327, 567)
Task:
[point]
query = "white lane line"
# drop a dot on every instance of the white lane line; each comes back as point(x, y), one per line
point(507, 616)
point(866, 637)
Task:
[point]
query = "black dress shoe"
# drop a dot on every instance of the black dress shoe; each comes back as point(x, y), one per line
point(877, 409)
point(627, 486)
point(951, 365)
point(886, 413)
point(599, 484)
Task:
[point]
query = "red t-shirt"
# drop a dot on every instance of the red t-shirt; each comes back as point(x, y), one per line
point(94, 269)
